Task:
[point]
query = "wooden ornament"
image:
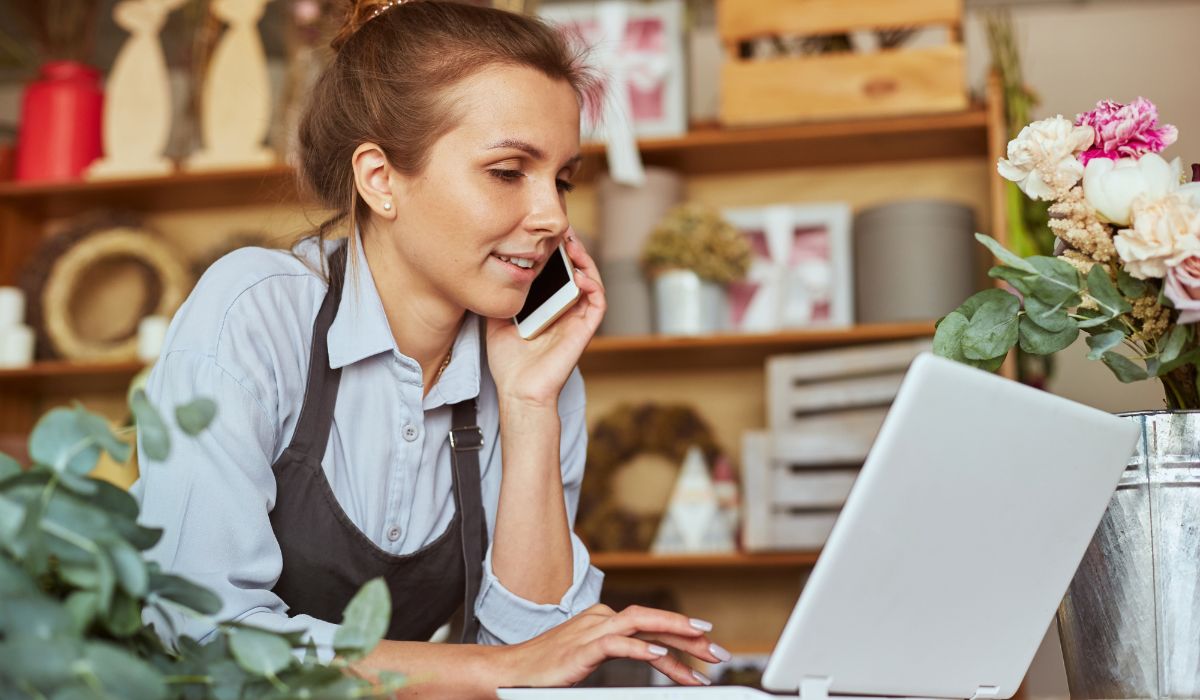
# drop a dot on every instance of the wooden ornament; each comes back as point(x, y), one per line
point(236, 99)
point(137, 107)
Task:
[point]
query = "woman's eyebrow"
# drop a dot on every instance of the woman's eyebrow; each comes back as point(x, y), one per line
point(533, 151)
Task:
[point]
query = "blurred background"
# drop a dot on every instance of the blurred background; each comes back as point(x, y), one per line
point(782, 197)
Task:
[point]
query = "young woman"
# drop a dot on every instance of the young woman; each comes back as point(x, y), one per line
point(444, 137)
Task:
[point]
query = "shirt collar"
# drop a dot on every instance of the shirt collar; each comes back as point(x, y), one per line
point(361, 330)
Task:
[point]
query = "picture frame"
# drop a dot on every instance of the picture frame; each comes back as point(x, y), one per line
point(649, 57)
point(802, 273)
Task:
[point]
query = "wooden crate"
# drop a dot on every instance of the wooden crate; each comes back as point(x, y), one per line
point(840, 85)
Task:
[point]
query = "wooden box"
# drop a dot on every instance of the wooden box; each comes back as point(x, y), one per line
point(888, 82)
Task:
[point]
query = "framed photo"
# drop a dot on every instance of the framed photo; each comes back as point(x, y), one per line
point(802, 272)
point(647, 59)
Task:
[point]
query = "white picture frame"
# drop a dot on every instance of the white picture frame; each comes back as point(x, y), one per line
point(650, 58)
point(802, 272)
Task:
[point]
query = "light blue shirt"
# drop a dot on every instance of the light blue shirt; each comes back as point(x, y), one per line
point(243, 339)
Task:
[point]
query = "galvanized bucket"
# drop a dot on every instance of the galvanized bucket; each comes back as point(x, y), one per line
point(1130, 622)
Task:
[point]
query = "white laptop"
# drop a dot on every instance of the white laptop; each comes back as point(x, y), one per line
point(967, 522)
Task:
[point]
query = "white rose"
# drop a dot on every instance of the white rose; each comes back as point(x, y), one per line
point(1191, 191)
point(1111, 186)
point(1165, 232)
point(1044, 158)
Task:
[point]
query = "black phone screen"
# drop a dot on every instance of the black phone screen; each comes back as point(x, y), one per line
point(551, 279)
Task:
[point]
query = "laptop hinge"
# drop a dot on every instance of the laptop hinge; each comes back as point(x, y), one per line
point(984, 692)
point(815, 687)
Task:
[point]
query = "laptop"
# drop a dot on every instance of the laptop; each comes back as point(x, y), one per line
point(971, 513)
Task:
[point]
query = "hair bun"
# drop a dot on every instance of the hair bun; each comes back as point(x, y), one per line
point(357, 13)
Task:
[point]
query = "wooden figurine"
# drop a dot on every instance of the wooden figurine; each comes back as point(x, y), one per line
point(137, 109)
point(236, 100)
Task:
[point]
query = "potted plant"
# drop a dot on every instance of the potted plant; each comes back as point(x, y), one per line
point(1126, 273)
point(690, 256)
point(75, 584)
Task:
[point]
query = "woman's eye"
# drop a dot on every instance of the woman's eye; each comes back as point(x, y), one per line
point(565, 186)
point(506, 175)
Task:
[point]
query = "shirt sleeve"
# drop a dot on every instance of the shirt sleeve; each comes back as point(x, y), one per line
point(506, 618)
point(211, 496)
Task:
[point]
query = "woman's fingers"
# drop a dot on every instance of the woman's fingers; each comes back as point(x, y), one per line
point(699, 647)
point(614, 646)
point(679, 672)
point(636, 619)
point(579, 256)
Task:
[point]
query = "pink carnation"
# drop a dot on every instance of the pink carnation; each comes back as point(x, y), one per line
point(1125, 131)
point(1183, 289)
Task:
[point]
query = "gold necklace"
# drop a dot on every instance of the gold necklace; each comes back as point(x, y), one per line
point(445, 364)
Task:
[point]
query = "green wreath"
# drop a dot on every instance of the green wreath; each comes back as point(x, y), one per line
point(624, 433)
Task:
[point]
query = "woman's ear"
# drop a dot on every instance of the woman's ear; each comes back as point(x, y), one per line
point(373, 179)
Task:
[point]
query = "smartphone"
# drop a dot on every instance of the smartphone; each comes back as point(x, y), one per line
point(553, 292)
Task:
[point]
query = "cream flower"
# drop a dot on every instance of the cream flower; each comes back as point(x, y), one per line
point(1111, 186)
point(1165, 232)
point(1044, 158)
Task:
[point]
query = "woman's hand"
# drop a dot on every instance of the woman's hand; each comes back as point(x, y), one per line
point(566, 654)
point(534, 371)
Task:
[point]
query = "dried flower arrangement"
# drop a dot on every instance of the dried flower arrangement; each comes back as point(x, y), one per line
point(695, 237)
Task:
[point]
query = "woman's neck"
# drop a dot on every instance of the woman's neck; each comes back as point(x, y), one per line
point(422, 322)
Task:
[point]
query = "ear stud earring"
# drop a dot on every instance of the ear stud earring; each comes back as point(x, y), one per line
point(387, 206)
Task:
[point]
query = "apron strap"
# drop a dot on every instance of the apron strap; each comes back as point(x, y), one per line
point(311, 435)
point(465, 440)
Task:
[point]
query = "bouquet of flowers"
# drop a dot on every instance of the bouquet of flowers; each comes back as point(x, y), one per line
point(1126, 268)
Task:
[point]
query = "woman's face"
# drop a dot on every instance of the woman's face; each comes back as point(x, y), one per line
point(493, 188)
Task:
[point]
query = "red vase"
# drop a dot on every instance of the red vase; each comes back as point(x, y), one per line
point(61, 114)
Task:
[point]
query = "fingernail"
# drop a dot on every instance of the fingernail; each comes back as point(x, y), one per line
point(720, 652)
point(570, 238)
point(657, 650)
point(702, 625)
point(703, 679)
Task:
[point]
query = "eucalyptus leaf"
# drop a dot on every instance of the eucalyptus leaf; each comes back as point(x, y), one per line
point(124, 615)
point(1036, 340)
point(8, 467)
point(993, 330)
point(1056, 282)
point(62, 442)
point(1176, 339)
point(99, 429)
point(14, 580)
point(1002, 254)
point(1129, 285)
point(131, 569)
point(81, 606)
point(34, 616)
point(12, 516)
point(185, 593)
point(947, 339)
point(1103, 342)
point(1123, 367)
point(365, 619)
point(195, 416)
point(122, 674)
point(977, 300)
point(40, 663)
point(258, 651)
point(78, 485)
point(1051, 318)
point(1101, 288)
point(1019, 279)
point(1187, 358)
point(152, 431)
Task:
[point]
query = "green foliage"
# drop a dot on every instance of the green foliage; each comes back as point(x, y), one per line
point(1051, 312)
point(75, 584)
point(695, 237)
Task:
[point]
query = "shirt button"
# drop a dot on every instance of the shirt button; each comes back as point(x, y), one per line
point(410, 432)
point(393, 534)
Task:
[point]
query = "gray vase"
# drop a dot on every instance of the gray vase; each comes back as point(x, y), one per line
point(1130, 622)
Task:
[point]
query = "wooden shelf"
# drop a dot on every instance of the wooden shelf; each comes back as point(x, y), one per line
point(706, 149)
point(620, 354)
point(652, 353)
point(645, 561)
point(69, 378)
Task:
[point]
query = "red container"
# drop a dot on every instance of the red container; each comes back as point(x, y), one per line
point(61, 114)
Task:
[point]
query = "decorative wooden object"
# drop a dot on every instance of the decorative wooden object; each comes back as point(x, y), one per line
point(137, 108)
point(838, 85)
point(236, 102)
point(68, 270)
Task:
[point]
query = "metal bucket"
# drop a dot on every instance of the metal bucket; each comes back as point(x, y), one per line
point(1130, 622)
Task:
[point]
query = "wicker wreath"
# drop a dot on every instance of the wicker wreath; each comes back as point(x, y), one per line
point(618, 437)
point(53, 281)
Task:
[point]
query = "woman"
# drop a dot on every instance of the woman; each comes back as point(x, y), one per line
point(444, 137)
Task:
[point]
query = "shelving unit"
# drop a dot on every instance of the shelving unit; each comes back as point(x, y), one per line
point(723, 373)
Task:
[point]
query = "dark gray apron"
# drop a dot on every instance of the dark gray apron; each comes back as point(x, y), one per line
point(326, 558)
